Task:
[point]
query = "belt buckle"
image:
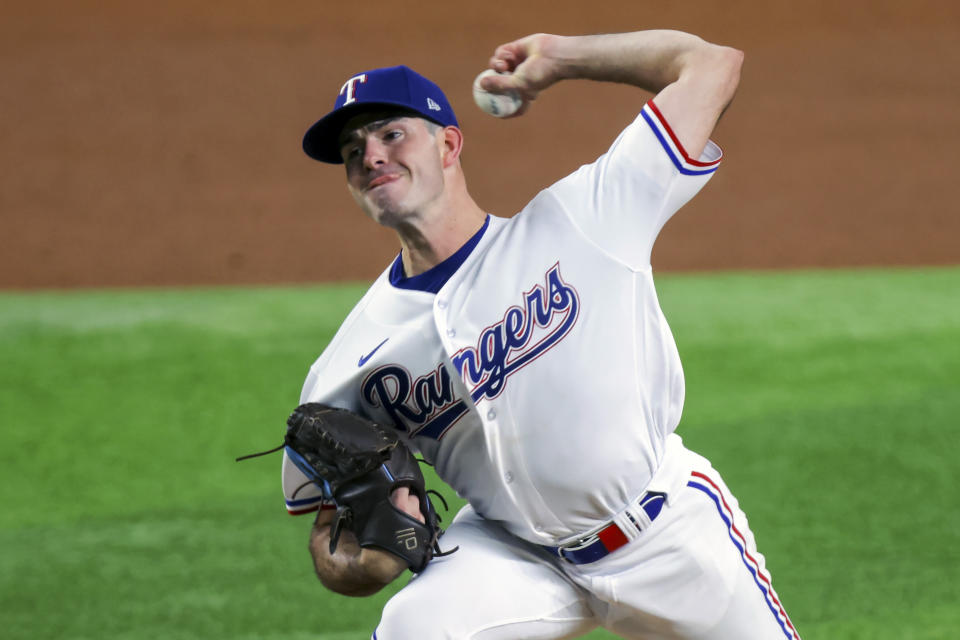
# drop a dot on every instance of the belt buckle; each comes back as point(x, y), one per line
point(581, 543)
point(649, 502)
point(576, 545)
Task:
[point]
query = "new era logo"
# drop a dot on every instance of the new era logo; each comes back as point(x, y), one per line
point(432, 105)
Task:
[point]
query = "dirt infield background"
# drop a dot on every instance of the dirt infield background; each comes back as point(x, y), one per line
point(159, 143)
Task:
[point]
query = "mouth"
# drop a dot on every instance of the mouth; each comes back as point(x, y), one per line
point(381, 180)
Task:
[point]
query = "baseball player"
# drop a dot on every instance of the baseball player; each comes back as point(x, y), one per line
point(527, 360)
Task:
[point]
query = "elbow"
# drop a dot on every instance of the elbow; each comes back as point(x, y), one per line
point(715, 70)
point(731, 57)
point(728, 63)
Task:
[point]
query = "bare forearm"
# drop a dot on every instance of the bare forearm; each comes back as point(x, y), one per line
point(650, 60)
point(351, 570)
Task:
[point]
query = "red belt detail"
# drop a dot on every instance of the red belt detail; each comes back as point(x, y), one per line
point(612, 537)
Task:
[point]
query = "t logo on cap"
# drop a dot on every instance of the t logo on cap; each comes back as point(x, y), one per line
point(350, 86)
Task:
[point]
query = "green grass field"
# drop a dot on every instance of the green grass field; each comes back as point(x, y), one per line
point(830, 401)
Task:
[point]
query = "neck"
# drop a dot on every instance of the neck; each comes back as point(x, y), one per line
point(425, 244)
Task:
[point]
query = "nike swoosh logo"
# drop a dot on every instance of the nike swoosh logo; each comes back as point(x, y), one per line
point(364, 359)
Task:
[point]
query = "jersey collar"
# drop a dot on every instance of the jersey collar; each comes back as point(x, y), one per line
point(431, 280)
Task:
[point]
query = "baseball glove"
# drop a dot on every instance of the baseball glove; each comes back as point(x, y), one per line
point(358, 464)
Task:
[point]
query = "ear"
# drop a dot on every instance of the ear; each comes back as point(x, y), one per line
point(451, 139)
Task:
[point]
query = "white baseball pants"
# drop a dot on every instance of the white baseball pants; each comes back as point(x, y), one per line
point(695, 573)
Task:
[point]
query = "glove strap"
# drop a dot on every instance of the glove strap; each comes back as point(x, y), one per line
point(344, 518)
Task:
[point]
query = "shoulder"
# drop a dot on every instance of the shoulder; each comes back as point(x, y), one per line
point(347, 333)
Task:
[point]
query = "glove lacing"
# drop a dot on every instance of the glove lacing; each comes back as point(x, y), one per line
point(345, 515)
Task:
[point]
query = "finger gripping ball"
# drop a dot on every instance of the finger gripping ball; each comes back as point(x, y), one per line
point(499, 105)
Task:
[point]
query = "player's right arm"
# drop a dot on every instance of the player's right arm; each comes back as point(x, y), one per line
point(693, 80)
point(354, 570)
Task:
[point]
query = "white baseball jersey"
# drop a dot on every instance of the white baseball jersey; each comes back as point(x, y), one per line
point(534, 368)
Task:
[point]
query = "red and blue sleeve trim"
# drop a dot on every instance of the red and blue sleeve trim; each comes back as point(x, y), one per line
point(671, 144)
point(306, 505)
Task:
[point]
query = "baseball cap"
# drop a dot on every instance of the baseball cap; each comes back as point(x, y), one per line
point(399, 86)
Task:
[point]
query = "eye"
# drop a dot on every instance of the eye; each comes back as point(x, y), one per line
point(351, 151)
point(392, 134)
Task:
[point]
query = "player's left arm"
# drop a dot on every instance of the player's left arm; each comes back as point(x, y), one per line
point(694, 80)
point(353, 570)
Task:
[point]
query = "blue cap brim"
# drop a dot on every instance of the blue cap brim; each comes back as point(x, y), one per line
point(322, 140)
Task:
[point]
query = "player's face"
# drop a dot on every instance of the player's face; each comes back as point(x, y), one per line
point(394, 165)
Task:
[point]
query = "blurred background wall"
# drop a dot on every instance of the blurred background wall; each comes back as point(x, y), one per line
point(159, 143)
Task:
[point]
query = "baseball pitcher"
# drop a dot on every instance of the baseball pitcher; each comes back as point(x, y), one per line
point(527, 359)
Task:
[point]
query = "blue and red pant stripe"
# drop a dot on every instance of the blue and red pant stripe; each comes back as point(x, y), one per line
point(703, 483)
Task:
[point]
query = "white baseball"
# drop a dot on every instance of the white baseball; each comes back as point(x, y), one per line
point(500, 105)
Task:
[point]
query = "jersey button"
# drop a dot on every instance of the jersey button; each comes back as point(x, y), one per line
point(451, 333)
point(491, 414)
point(508, 477)
point(441, 304)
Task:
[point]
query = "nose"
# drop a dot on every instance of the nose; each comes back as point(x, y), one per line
point(374, 153)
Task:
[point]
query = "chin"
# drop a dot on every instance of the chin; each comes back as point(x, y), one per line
point(388, 217)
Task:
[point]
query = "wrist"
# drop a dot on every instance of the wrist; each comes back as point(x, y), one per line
point(561, 51)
